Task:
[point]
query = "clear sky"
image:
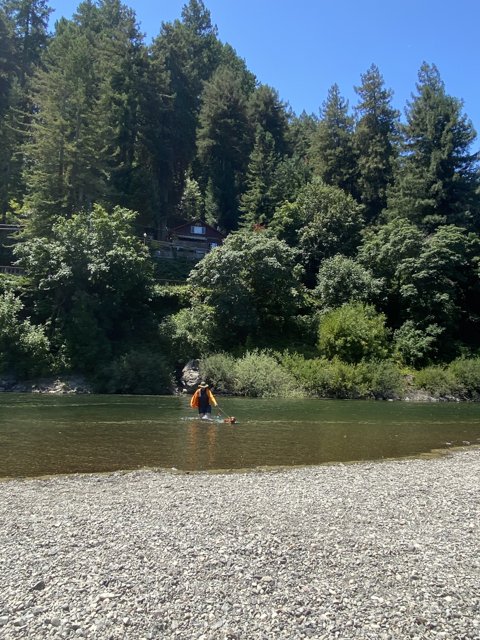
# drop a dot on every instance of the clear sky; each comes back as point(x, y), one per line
point(302, 47)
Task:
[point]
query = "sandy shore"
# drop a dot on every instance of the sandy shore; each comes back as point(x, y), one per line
point(387, 550)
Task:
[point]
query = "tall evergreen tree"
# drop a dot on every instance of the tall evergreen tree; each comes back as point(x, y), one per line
point(30, 20)
point(258, 202)
point(332, 152)
point(7, 76)
point(188, 52)
point(64, 171)
point(438, 180)
point(267, 112)
point(24, 36)
point(375, 140)
point(224, 142)
point(121, 64)
point(83, 137)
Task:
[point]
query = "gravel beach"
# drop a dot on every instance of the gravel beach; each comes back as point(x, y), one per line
point(383, 550)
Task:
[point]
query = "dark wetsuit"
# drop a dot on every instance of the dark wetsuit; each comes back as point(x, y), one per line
point(204, 402)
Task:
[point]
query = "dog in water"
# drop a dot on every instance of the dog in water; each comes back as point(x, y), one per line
point(230, 420)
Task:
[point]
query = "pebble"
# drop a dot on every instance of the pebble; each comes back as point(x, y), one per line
point(370, 551)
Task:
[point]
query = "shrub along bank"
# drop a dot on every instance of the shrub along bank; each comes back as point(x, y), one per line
point(267, 374)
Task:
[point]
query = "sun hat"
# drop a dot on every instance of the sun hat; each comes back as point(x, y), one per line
point(203, 385)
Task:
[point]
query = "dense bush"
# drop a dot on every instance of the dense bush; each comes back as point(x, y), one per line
point(414, 346)
point(381, 380)
point(259, 374)
point(438, 381)
point(467, 375)
point(219, 370)
point(353, 332)
point(24, 348)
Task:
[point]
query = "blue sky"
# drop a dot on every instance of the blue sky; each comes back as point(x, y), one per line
point(303, 47)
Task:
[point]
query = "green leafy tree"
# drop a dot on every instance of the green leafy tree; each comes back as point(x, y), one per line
point(251, 283)
point(332, 152)
point(352, 333)
point(8, 69)
point(375, 142)
point(383, 252)
point(92, 280)
point(438, 284)
point(24, 347)
point(341, 280)
point(438, 180)
point(301, 130)
point(415, 346)
point(332, 222)
point(64, 160)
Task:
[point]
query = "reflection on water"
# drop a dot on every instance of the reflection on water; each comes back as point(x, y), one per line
point(68, 434)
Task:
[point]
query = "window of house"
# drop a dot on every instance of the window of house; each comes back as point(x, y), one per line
point(197, 230)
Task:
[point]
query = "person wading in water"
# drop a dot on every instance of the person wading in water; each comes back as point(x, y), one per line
point(203, 399)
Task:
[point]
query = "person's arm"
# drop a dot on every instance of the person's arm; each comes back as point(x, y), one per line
point(212, 398)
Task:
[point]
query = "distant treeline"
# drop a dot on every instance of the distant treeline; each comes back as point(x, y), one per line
point(352, 234)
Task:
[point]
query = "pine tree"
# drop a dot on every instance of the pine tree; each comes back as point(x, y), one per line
point(224, 143)
point(438, 178)
point(23, 40)
point(7, 78)
point(267, 112)
point(375, 139)
point(83, 139)
point(332, 153)
point(30, 20)
point(258, 202)
point(183, 57)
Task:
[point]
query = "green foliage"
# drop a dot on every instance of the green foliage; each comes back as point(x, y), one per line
point(24, 347)
point(332, 150)
point(224, 143)
point(438, 178)
point(375, 142)
point(323, 378)
point(467, 374)
point(139, 371)
point(341, 280)
point(381, 380)
point(258, 201)
point(415, 346)
point(218, 369)
point(259, 375)
point(262, 269)
point(353, 332)
point(192, 331)
point(96, 284)
point(192, 206)
point(92, 118)
point(433, 285)
point(331, 224)
point(436, 380)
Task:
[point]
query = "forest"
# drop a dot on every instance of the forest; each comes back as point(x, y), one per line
point(350, 265)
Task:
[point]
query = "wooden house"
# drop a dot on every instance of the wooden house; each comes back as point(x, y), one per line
point(191, 240)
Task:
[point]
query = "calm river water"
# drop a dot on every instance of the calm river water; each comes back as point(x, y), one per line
point(41, 434)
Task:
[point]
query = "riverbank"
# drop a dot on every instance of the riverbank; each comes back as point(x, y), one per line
point(384, 550)
point(70, 385)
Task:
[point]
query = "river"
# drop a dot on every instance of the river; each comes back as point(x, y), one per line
point(46, 434)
